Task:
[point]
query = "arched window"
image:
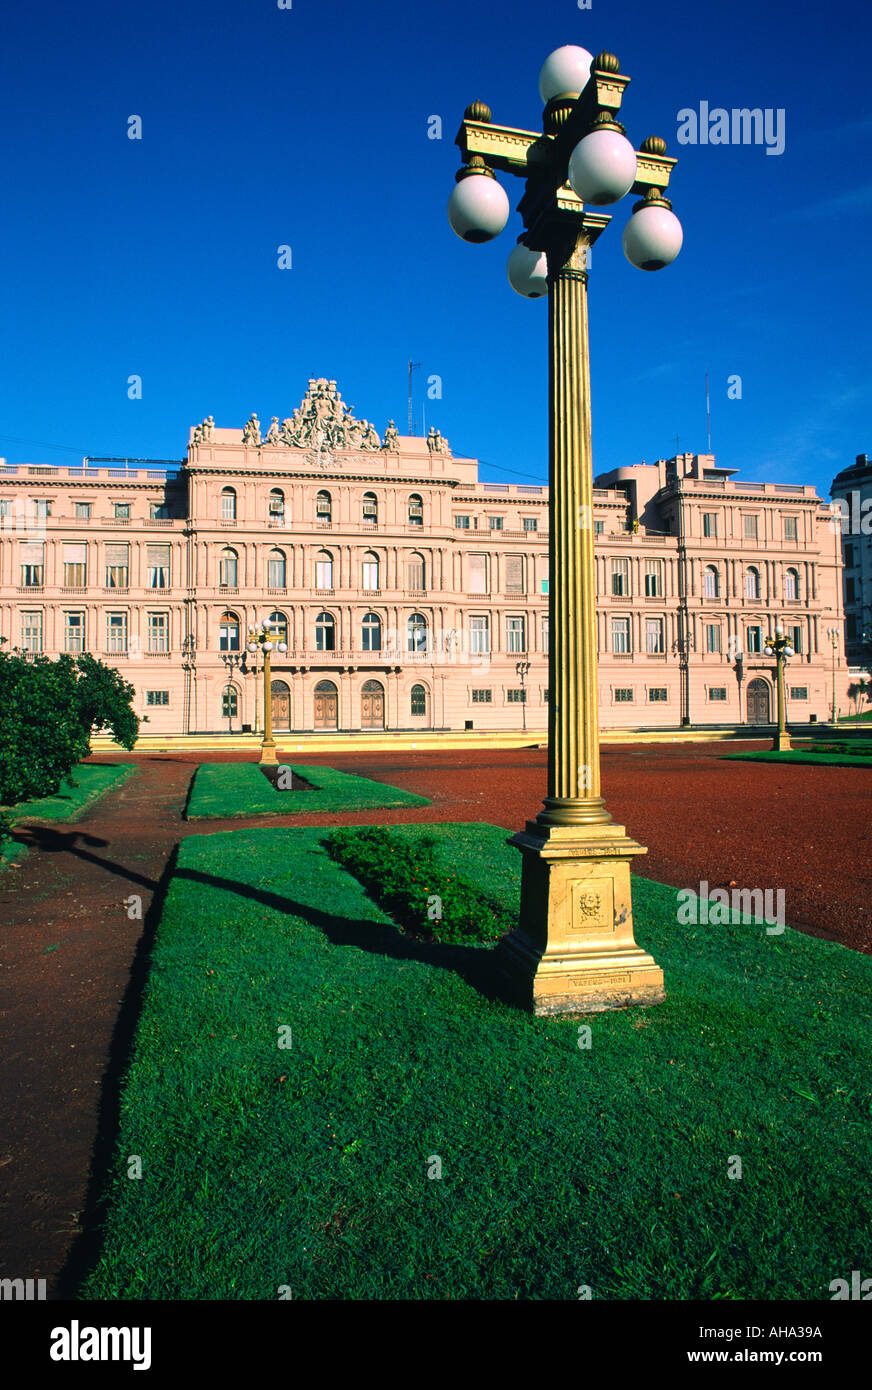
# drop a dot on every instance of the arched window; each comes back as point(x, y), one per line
point(280, 622)
point(415, 572)
point(325, 633)
point(276, 506)
point(324, 507)
point(229, 702)
point(416, 633)
point(228, 633)
point(228, 504)
point(419, 700)
point(370, 509)
point(752, 582)
point(791, 584)
point(370, 571)
point(323, 570)
point(416, 510)
point(277, 575)
point(371, 633)
point(712, 582)
point(228, 570)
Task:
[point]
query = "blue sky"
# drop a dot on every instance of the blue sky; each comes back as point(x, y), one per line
point(308, 127)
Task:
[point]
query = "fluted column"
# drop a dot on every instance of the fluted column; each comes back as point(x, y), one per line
point(573, 716)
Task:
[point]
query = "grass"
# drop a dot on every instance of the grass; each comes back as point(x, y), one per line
point(89, 781)
point(241, 789)
point(856, 718)
point(798, 755)
point(308, 1167)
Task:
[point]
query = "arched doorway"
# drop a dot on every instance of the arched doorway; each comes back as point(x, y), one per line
point(326, 705)
point(280, 693)
point(758, 702)
point(372, 705)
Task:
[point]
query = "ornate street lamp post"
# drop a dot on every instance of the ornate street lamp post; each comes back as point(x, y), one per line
point(781, 648)
point(231, 661)
point(522, 667)
point(833, 634)
point(573, 950)
point(263, 638)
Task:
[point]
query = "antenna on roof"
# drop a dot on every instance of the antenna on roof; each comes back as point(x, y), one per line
point(708, 414)
point(412, 366)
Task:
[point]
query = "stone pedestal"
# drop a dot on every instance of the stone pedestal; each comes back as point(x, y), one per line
point(782, 742)
point(573, 951)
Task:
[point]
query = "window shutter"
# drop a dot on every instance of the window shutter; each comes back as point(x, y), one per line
point(31, 552)
point(117, 555)
point(514, 574)
point(158, 556)
point(75, 554)
point(477, 574)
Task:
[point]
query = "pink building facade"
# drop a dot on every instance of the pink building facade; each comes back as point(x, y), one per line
point(412, 596)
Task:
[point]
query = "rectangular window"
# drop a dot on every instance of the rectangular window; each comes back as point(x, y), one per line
point(31, 632)
point(31, 556)
point(116, 633)
point(495, 523)
point(5, 506)
point(158, 561)
point(82, 510)
point(43, 507)
point(121, 511)
point(621, 578)
point(158, 511)
point(516, 636)
point(791, 528)
point(710, 525)
point(74, 633)
point(479, 636)
point(713, 637)
point(157, 697)
point(158, 632)
point(531, 523)
point(75, 563)
point(799, 692)
point(545, 635)
point(516, 697)
point(621, 636)
point(750, 527)
point(654, 636)
point(754, 641)
point(653, 578)
point(850, 590)
point(461, 523)
point(717, 692)
point(514, 574)
point(324, 574)
point(599, 528)
point(117, 566)
point(477, 574)
point(228, 505)
point(658, 694)
point(482, 697)
point(416, 572)
point(796, 639)
point(623, 695)
point(849, 555)
point(544, 586)
point(370, 574)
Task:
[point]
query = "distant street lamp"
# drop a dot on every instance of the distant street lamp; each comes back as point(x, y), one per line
point(522, 667)
point(574, 949)
point(833, 634)
point(263, 638)
point(231, 661)
point(781, 648)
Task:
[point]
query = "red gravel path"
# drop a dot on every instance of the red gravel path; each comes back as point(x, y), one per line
point(72, 963)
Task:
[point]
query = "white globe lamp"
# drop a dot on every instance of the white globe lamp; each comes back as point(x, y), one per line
point(478, 208)
point(565, 72)
point(653, 236)
point(602, 167)
point(528, 272)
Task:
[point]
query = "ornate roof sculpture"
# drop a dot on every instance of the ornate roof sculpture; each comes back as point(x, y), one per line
point(322, 422)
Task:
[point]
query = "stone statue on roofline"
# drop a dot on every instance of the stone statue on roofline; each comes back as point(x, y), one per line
point(392, 438)
point(251, 431)
point(272, 434)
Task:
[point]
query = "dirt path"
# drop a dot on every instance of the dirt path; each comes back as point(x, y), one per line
point(72, 962)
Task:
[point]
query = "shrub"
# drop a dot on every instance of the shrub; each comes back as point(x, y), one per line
point(415, 889)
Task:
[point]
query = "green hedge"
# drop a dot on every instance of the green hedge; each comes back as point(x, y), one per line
point(409, 883)
point(798, 756)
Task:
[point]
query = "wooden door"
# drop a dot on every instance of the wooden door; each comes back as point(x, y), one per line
point(281, 707)
point(758, 703)
point(372, 701)
point(326, 709)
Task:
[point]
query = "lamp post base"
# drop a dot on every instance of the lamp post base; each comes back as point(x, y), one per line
point(268, 755)
point(573, 951)
point(781, 743)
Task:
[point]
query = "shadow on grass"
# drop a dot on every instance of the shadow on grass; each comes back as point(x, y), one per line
point(86, 1248)
point(472, 963)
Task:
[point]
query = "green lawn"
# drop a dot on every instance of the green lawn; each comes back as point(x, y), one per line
point(561, 1166)
point(241, 789)
point(92, 780)
point(804, 755)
